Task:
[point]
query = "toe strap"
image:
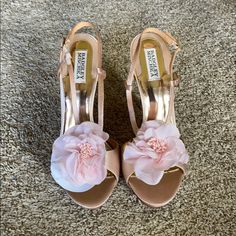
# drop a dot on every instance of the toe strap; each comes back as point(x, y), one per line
point(128, 168)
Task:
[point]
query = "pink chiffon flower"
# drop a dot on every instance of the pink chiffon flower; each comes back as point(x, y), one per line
point(156, 148)
point(78, 157)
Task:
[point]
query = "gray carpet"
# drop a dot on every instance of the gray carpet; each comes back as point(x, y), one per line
point(32, 203)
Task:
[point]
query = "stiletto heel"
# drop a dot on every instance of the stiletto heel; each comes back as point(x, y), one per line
point(85, 161)
point(155, 162)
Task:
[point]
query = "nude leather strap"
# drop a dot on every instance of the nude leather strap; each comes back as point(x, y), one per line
point(171, 42)
point(112, 160)
point(66, 67)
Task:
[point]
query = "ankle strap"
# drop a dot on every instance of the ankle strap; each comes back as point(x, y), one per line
point(173, 45)
point(66, 67)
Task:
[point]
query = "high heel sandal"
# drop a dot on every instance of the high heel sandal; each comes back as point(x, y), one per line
point(155, 162)
point(85, 161)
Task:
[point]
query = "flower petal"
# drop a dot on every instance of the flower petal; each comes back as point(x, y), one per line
point(150, 161)
point(149, 133)
point(132, 152)
point(95, 174)
point(167, 130)
point(179, 147)
point(72, 171)
point(59, 146)
point(145, 170)
point(184, 158)
point(167, 161)
point(154, 124)
point(61, 177)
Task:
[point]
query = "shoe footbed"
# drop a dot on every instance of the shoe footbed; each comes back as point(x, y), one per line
point(160, 194)
point(97, 195)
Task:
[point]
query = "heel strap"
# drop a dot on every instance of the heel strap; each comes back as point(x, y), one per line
point(66, 67)
point(173, 45)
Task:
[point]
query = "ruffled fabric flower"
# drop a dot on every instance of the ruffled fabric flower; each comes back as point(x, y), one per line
point(78, 157)
point(156, 148)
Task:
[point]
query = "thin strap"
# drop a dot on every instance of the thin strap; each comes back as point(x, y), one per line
point(66, 67)
point(63, 105)
point(170, 116)
point(171, 42)
point(112, 160)
point(101, 75)
point(81, 25)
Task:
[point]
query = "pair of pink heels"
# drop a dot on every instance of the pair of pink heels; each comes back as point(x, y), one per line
point(85, 161)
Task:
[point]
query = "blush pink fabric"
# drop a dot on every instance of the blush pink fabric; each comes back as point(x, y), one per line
point(156, 148)
point(78, 157)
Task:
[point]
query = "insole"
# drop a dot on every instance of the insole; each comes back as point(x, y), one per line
point(82, 55)
point(151, 80)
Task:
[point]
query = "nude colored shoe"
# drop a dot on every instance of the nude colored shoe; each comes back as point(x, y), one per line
point(155, 162)
point(85, 161)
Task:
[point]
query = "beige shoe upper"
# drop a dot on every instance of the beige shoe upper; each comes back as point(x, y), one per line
point(157, 99)
point(77, 100)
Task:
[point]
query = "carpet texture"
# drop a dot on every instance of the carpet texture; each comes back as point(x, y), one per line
point(31, 202)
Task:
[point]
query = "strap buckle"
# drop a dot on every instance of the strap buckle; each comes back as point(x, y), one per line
point(101, 73)
point(174, 47)
point(63, 40)
point(176, 79)
point(128, 87)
